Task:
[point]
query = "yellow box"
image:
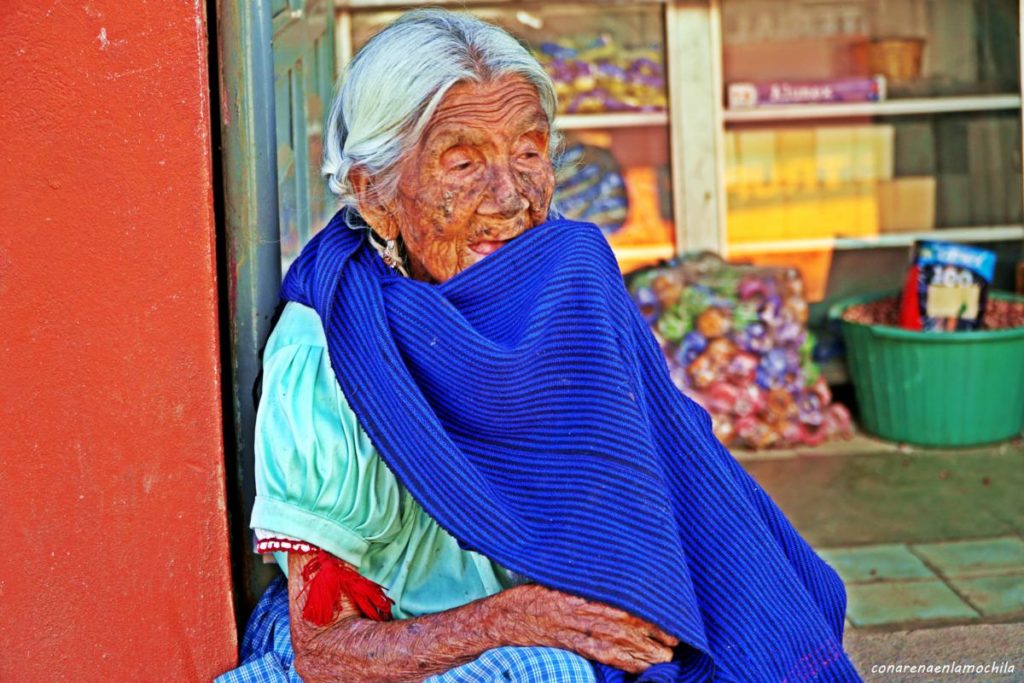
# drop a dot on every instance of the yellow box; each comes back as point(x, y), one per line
point(885, 136)
point(755, 157)
point(755, 214)
point(803, 214)
point(907, 204)
point(864, 154)
point(795, 158)
point(834, 152)
point(807, 183)
point(849, 210)
point(731, 160)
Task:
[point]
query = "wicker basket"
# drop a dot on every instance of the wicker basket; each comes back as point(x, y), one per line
point(898, 59)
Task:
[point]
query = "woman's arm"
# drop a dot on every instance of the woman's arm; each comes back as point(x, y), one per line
point(353, 648)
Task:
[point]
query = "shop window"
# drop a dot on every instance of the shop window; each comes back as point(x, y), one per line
point(864, 124)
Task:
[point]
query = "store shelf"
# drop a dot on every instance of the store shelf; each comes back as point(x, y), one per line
point(656, 251)
point(935, 105)
point(999, 233)
point(585, 7)
point(623, 119)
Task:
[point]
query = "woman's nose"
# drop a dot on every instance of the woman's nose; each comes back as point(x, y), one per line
point(506, 198)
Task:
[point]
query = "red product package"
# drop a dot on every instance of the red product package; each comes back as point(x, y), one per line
point(910, 311)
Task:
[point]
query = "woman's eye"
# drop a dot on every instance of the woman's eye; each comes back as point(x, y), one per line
point(460, 164)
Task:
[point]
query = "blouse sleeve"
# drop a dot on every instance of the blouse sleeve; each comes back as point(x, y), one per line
point(318, 477)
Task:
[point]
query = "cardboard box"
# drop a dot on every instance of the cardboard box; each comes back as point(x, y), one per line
point(871, 154)
point(953, 200)
point(914, 148)
point(805, 59)
point(834, 147)
point(755, 158)
point(795, 162)
point(907, 204)
point(802, 214)
point(755, 214)
point(731, 159)
point(775, 212)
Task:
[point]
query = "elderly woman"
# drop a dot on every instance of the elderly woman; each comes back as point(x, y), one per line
point(471, 463)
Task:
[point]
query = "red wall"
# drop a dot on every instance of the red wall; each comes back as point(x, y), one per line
point(112, 487)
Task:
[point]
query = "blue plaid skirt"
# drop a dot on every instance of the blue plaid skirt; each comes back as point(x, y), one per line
point(267, 654)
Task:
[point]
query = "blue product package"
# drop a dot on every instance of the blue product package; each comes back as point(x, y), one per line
point(952, 285)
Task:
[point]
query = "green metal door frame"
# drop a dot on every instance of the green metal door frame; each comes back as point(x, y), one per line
point(253, 265)
point(276, 71)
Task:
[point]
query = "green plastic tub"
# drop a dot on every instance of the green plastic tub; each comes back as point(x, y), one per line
point(934, 388)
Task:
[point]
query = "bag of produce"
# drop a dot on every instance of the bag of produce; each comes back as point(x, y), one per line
point(736, 341)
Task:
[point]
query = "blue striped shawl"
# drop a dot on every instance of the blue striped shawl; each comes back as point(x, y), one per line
point(528, 409)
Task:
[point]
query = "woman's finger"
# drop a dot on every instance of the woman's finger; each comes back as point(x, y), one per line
point(614, 625)
point(616, 615)
point(656, 634)
point(613, 654)
point(632, 636)
point(648, 650)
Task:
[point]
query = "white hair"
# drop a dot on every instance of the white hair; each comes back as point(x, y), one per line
point(396, 81)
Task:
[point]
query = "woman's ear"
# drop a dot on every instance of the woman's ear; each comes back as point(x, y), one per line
point(373, 211)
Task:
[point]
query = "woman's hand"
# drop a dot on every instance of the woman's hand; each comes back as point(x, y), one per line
point(534, 615)
point(353, 648)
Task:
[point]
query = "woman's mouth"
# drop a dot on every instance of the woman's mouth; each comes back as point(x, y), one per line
point(507, 229)
point(487, 247)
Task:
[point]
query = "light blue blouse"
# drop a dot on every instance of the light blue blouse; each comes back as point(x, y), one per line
point(320, 480)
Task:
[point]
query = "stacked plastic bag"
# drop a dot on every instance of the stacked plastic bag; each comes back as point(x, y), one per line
point(595, 74)
point(736, 341)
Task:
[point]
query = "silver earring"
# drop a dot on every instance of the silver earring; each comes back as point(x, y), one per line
point(390, 254)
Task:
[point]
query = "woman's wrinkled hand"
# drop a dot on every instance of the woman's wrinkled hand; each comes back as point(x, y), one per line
point(539, 616)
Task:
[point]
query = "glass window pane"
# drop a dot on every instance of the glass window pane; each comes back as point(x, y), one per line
point(304, 80)
point(856, 121)
point(923, 48)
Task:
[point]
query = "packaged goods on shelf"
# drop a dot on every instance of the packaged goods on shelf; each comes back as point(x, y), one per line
point(647, 235)
point(590, 187)
point(993, 162)
point(796, 59)
point(807, 182)
point(947, 287)
point(735, 340)
point(907, 204)
point(748, 94)
point(620, 180)
point(898, 59)
point(595, 74)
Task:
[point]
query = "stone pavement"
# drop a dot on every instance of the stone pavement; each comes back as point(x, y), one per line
point(930, 544)
point(975, 645)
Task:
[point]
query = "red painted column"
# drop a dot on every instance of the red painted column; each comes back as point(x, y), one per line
point(112, 486)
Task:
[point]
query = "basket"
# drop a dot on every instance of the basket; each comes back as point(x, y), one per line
point(936, 389)
point(898, 59)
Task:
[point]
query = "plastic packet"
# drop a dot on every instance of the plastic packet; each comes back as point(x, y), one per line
point(946, 288)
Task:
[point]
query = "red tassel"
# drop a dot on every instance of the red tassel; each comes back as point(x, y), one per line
point(326, 578)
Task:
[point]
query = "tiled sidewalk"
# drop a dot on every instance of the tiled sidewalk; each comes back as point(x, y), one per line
point(922, 538)
point(906, 585)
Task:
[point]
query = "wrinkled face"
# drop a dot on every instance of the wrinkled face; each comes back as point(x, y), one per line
point(479, 177)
